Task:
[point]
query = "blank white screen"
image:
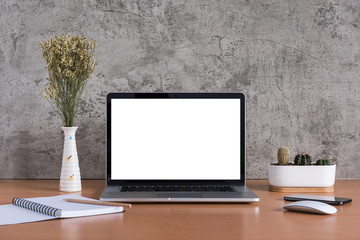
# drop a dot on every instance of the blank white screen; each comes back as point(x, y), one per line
point(175, 139)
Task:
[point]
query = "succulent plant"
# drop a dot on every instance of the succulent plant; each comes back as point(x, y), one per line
point(283, 155)
point(302, 159)
point(322, 162)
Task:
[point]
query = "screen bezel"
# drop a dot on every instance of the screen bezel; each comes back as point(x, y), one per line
point(239, 96)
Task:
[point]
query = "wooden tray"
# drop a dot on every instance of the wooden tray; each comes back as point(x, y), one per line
point(301, 189)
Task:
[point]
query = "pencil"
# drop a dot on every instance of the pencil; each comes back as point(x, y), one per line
point(98, 202)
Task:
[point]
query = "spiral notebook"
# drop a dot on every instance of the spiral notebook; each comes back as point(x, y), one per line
point(47, 208)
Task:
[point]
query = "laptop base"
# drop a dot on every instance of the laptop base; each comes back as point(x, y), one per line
point(240, 194)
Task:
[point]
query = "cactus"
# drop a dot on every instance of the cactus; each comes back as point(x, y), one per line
point(283, 155)
point(302, 159)
point(322, 162)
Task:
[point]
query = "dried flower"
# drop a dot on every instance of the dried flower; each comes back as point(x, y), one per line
point(70, 62)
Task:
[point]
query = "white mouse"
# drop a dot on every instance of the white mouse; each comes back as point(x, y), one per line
point(311, 207)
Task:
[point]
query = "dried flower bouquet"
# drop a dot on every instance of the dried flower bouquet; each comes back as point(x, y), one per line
point(70, 62)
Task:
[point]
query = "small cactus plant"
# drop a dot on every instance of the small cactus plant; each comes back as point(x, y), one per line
point(302, 159)
point(283, 155)
point(322, 162)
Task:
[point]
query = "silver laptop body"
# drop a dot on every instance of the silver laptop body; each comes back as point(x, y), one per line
point(176, 147)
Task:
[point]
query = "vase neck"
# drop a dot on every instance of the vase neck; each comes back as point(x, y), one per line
point(69, 129)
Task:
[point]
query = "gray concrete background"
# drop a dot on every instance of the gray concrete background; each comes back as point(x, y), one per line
point(296, 61)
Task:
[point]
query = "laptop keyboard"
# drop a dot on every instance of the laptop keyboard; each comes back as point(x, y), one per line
point(186, 188)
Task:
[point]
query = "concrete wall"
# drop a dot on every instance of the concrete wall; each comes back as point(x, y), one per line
point(296, 61)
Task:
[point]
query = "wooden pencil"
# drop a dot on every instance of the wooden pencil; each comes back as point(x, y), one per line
point(98, 202)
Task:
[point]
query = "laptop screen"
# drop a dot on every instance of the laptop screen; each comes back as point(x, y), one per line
point(175, 139)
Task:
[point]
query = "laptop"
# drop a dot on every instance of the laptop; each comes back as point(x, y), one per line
point(176, 147)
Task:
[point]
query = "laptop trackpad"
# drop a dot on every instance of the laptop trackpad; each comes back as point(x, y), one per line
point(178, 195)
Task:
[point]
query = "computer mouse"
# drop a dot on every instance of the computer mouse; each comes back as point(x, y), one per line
point(311, 207)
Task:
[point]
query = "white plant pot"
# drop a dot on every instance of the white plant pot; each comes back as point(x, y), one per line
point(302, 176)
point(70, 180)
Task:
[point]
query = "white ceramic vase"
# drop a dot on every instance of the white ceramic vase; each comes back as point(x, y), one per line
point(70, 180)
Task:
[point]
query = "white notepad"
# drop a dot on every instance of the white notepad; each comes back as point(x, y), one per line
point(47, 206)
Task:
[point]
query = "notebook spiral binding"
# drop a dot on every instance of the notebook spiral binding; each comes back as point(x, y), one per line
point(36, 207)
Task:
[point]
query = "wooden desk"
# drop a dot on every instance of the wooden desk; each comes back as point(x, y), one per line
point(263, 220)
